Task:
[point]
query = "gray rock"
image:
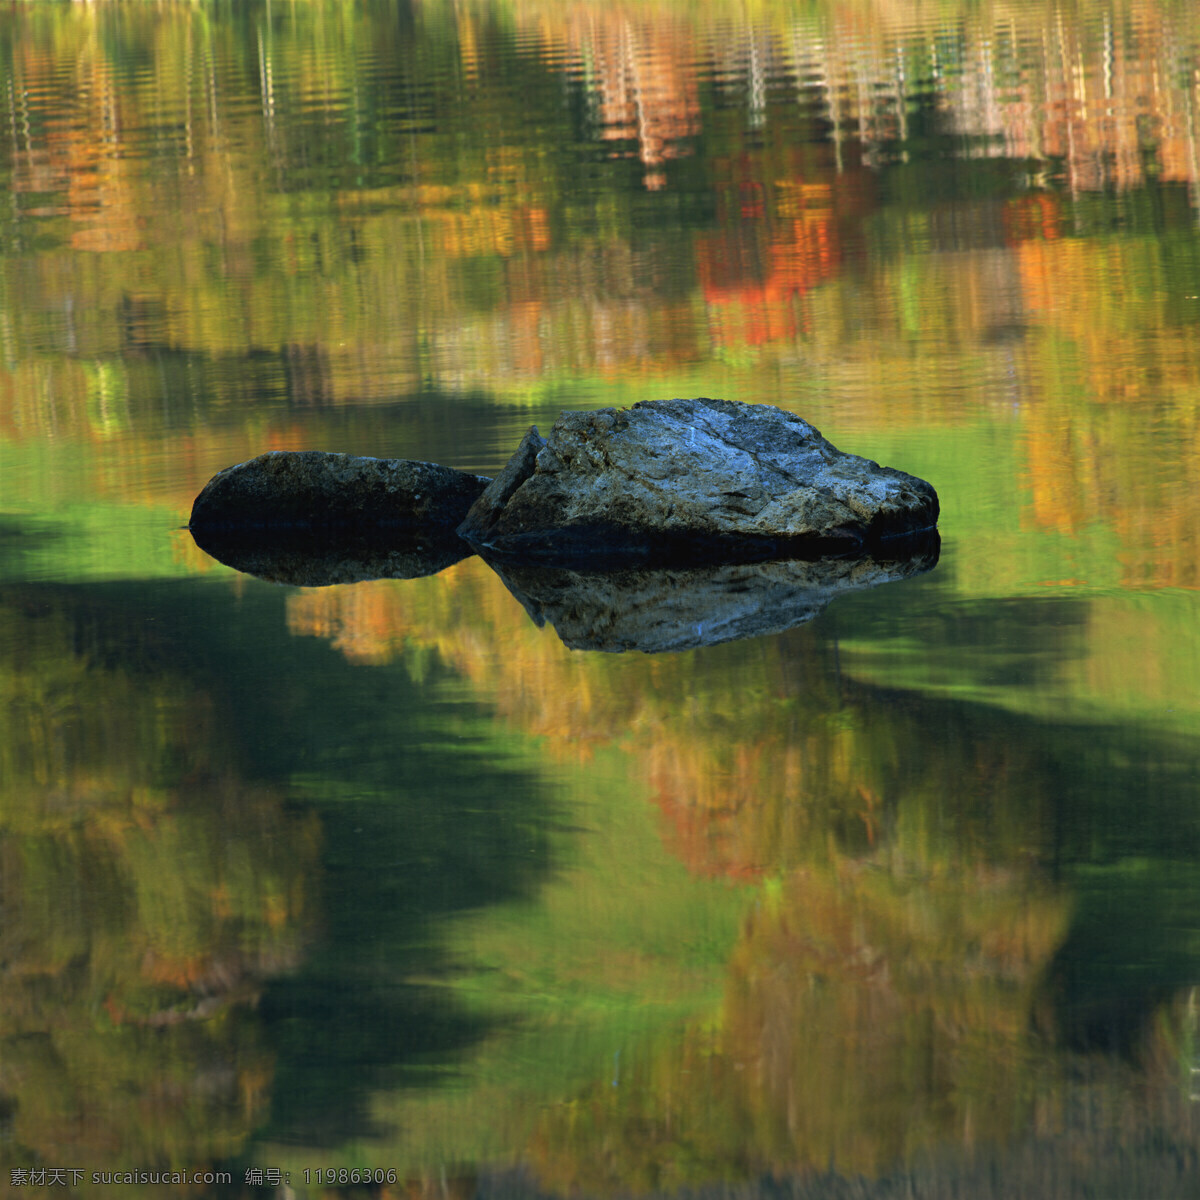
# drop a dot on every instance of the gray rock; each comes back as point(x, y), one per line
point(311, 489)
point(671, 609)
point(690, 481)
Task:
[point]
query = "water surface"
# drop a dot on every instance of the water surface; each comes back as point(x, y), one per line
point(383, 876)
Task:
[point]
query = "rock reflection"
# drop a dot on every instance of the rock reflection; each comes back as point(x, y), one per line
point(317, 558)
point(665, 609)
point(652, 609)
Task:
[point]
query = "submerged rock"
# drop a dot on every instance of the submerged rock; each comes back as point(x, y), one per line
point(312, 489)
point(670, 609)
point(690, 481)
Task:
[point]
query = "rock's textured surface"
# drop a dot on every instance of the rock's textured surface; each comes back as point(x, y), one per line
point(657, 610)
point(311, 489)
point(690, 480)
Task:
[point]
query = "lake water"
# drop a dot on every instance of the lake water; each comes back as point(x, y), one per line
point(383, 877)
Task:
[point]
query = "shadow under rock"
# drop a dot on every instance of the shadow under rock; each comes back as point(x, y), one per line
point(322, 557)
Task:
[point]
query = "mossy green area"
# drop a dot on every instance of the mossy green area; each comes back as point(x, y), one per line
point(95, 542)
point(66, 515)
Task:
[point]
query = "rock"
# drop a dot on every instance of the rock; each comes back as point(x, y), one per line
point(690, 481)
point(311, 489)
point(320, 557)
point(671, 609)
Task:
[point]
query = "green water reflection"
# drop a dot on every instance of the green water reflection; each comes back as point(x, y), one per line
point(385, 876)
point(194, 805)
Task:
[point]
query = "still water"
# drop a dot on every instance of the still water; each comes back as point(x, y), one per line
point(902, 901)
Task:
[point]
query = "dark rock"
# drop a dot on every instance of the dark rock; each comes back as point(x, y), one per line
point(311, 489)
point(320, 557)
point(661, 609)
point(690, 481)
